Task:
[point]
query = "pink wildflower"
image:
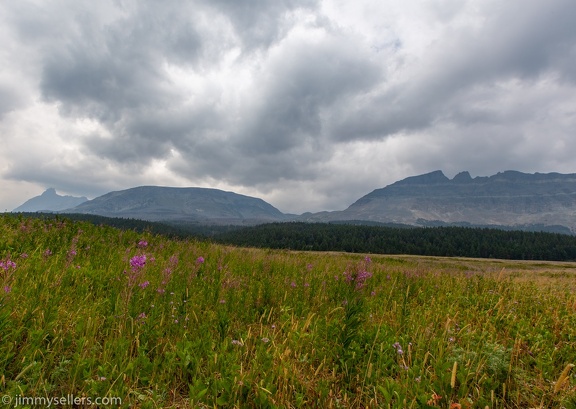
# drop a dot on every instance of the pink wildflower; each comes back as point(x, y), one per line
point(137, 262)
point(144, 284)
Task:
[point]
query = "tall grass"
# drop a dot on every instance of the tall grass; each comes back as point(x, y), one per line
point(94, 311)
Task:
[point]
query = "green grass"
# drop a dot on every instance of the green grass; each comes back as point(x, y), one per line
point(205, 325)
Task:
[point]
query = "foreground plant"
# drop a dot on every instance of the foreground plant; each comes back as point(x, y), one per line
point(94, 311)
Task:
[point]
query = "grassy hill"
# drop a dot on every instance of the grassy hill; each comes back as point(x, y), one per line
point(96, 312)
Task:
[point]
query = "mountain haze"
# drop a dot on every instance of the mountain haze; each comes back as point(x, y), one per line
point(49, 201)
point(508, 198)
point(192, 204)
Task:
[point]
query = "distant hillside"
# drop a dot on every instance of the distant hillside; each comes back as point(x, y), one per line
point(50, 201)
point(188, 205)
point(507, 200)
point(545, 201)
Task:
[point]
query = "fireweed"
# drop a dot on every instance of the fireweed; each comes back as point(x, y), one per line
point(353, 332)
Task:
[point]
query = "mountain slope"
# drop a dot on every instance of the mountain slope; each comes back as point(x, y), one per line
point(49, 201)
point(181, 204)
point(509, 199)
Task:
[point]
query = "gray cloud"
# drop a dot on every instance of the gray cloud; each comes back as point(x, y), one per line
point(309, 95)
point(260, 23)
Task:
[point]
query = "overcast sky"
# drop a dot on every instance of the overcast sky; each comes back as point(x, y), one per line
point(308, 104)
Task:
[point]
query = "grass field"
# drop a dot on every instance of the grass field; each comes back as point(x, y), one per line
point(96, 312)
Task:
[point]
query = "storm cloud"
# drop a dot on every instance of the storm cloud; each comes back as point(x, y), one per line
point(308, 104)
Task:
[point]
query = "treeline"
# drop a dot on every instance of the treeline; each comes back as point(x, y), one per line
point(447, 241)
point(427, 241)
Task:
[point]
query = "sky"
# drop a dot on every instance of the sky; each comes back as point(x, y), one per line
point(307, 104)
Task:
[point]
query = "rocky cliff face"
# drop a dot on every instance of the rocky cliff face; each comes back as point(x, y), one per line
point(509, 199)
point(200, 205)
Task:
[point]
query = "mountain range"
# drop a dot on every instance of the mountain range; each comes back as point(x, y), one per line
point(508, 199)
point(50, 201)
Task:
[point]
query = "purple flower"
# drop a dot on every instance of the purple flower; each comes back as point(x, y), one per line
point(200, 260)
point(142, 243)
point(48, 252)
point(7, 265)
point(142, 316)
point(144, 284)
point(361, 278)
point(137, 262)
point(293, 284)
point(7, 289)
point(398, 348)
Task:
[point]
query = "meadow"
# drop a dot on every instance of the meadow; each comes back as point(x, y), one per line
point(93, 311)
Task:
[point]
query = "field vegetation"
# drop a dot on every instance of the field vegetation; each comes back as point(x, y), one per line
point(96, 311)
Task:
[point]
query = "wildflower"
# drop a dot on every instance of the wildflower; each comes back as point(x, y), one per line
point(349, 277)
point(72, 253)
point(142, 316)
point(306, 284)
point(273, 326)
point(398, 348)
point(101, 378)
point(47, 253)
point(144, 284)
point(222, 301)
point(373, 293)
point(137, 262)
point(361, 279)
point(7, 289)
point(368, 259)
point(24, 255)
point(7, 265)
point(142, 243)
point(435, 399)
point(265, 340)
point(293, 284)
point(161, 291)
point(200, 260)
point(236, 342)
